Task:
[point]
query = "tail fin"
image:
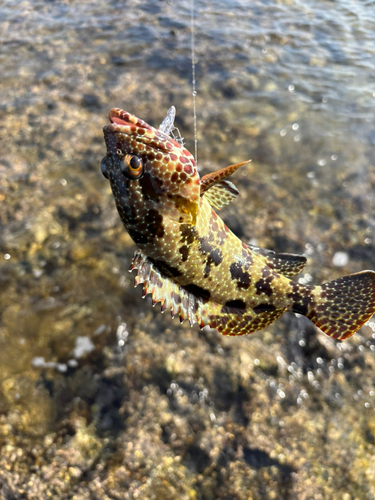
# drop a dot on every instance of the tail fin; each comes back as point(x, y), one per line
point(339, 308)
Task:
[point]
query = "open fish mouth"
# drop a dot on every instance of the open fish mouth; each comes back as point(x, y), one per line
point(122, 118)
point(138, 131)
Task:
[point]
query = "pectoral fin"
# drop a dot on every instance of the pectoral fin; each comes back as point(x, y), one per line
point(221, 194)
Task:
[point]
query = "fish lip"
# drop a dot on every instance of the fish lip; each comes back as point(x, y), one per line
point(124, 123)
point(120, 118)
point(115, 115)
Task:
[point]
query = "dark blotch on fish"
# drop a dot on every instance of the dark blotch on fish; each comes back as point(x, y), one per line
point(264, 308)
point(184, 251)
point(204, 245)
point(300, 309)
point(242, 277)
point(198, 291)
point(216, 256)
point(137, 237)
point(167, 270)
point(264, 284)
point(151, 187)
point(188, 234)
point(206, 271)
point(237, 303)
point(154, 220)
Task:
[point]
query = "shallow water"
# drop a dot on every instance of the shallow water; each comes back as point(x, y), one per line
point(100, 395)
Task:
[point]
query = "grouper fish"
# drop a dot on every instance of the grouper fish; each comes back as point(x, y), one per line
point(189, 260)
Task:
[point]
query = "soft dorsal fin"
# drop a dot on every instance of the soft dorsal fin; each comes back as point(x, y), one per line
point(287, 264)
point(210, 180)
point(221, 194)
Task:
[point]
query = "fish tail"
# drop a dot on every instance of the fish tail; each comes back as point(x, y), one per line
point(339, 308)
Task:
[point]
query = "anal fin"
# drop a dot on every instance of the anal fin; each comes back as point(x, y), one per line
point(231, 323)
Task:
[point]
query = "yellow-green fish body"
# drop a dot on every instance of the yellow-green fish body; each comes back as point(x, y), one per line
point(191, 262)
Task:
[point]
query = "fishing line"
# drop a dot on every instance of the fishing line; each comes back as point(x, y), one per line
point(192, 30)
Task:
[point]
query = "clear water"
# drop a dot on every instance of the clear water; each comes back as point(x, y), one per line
point(290, 84)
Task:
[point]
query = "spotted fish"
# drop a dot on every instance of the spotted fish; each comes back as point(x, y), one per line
point(189, 260)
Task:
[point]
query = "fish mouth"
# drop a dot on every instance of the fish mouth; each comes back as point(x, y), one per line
point(124, 124)
point(122, 118)
point(118, 121)
point(127, 129)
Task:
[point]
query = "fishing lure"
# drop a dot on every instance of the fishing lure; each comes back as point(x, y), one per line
point(189, 260)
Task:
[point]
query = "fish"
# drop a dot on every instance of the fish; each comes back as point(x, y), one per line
point(191, 262)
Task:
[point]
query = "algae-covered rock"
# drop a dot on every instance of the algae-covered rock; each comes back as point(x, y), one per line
point(101, 396)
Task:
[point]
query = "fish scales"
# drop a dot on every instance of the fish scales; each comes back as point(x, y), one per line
point(189, 260)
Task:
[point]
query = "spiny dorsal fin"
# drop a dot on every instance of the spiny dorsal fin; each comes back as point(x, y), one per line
point(181, 301)
point(287, 264)
point(221, 194)
point(210, 180)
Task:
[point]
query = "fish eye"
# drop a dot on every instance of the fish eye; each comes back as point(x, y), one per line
point(135, 163)
point(103, 167)
point(132, 167)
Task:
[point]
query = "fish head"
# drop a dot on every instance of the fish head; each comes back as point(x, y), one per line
point(148, 170)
